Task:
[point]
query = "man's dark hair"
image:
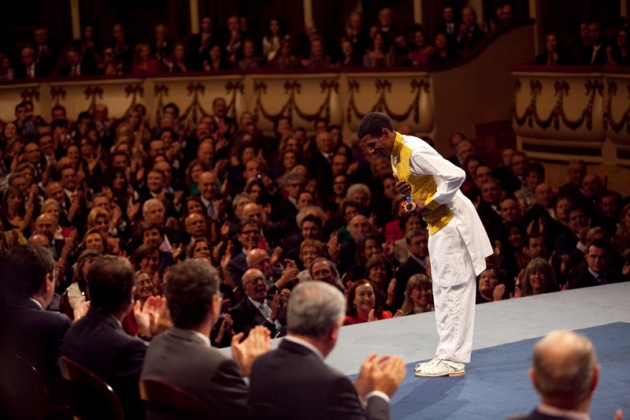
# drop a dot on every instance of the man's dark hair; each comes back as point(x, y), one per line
point(173, 106)
point(58, 123)
point(23, 270)
point(314, 219)
point(85, 115)
point(110, 280)
point(189, 290)
point(151, 226)
point(58, 108)
point(247, 222)
point(373, 124)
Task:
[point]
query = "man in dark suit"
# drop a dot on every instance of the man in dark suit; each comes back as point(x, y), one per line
point(417, 243)
point(98, 341)
point(76, 66)
point(565, 373)
point(28, 286)
point(295, 379)
point(594, 54)
point(29, 68)
point(596, 271)
point(183, 357)
point(249, 238)
point(319, 164)
point(254, 309)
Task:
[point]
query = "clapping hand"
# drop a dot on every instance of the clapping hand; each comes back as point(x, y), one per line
point(245, 352)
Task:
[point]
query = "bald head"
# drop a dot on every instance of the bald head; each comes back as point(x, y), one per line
point(565, 370)
point(253, 211)
point(46, 224)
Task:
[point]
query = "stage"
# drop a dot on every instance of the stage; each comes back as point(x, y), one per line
point(496, 382)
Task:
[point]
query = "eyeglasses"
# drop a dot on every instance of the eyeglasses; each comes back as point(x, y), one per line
point(254, 281)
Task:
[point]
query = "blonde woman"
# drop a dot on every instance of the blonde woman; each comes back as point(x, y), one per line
point(418, 296)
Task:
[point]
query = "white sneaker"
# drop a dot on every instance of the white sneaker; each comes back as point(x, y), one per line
point(442, 368)
point(425, 365)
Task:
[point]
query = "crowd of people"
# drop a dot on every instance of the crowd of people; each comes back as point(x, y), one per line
point(382, 44)
point(114, 207)
point(591, 48)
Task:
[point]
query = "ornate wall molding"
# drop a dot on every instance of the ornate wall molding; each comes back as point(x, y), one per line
point(609, 119)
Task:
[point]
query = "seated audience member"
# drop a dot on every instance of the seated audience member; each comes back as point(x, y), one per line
point(444, 52)
point(182, 355)
point(538, 277)
point(322, 269)
point(28, 284)
point(565, 374)
point(621, 240)
point(596, 272)
point(295, 379)
point(418, 296)
point(254, 310)
point(98, 341)
point(364, 304)
point(554, 55)
point(78, 288)
point(417, 244)
point(491, 285)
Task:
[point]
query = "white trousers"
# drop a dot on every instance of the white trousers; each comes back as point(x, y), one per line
point(454, 289)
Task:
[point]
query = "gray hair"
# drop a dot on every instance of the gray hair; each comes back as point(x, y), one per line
point(148, 203)
point(314, 309)
point(355, 188)
point(564, 364)
point(306, 211)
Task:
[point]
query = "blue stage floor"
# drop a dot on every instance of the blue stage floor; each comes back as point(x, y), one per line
point(496, 382)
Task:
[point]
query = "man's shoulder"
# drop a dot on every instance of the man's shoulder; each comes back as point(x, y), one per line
point(534, 415)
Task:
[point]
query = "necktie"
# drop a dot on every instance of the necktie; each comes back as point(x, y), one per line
point(265, 310)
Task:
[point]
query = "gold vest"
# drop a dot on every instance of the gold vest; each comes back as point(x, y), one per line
point(423, 188)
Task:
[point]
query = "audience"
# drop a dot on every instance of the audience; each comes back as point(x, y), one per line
point(295, 379)
point(183, 356)
point(98, 192)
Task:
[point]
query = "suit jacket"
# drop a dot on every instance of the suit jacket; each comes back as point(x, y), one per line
point(99, 343)
point(237, 267)
point(182, 358)
point(246, 316)
point(535, 415)
point(586, 279)
point(297, 380)
point(36, 335)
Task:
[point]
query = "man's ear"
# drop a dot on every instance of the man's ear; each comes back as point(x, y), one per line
point(532, 376)
point(49, 283)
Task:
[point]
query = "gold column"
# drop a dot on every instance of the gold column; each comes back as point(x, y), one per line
point(194, 16)
point(76, 19)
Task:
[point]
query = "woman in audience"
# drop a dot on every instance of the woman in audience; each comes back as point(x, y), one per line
point(284, 59)
point(214, 61)
point(379, 271)
point(110, 65)
point(368, 247)
point(444, 53)
point(287, 161)
point(143, 63)
point(537, 278)
point(177, 62)
point(491, 285)
point(348, 56)
point(249, 60)
point(15, 214)
point(364, 304)
point(94, 239)
point(510, 254)
point(193, 172)
point(144, 288)
point(199, 247)
point(79, 286)
point(421, 50)
point(375, 56)
point(148, 258)
point(620, 51)
point(554, 55)
point(418, 296)
point(272, 40)
point(310, 249)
